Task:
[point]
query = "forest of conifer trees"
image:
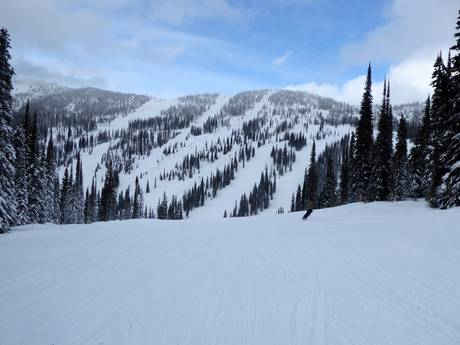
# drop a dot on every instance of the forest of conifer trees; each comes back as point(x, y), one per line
point(374, 169)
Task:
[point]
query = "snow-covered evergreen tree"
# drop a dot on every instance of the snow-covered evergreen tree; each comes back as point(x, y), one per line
point(78, 214)
point(439, 118)
point(401, 177)
point(7, 152)
point(448, 193)
point(21, 179)
point(108, 199)
point(380, 186)
point(138, 201)
point(63, 194)
point(420, 155)
point(311, 193)
point(344, 186)
point(91, 204)
point(351, 168)
point(328, 196)
point(36, 175)
point(364, 143)
point(51, 207)
point(68, 216)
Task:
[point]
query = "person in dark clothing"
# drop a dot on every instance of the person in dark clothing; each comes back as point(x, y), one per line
point(307, 214)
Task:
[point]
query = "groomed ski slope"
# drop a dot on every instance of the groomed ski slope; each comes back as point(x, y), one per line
point(379, 273)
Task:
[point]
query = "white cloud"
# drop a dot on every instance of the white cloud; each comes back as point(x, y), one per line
point(94, 40)
point(410, 81)
point(282, 59)
point(349, 92)
point(410, 26)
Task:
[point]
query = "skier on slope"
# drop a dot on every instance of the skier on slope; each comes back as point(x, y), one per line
point(307, 214)
point(309, 210)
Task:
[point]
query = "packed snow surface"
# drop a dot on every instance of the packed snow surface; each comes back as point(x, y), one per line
point(380, 273)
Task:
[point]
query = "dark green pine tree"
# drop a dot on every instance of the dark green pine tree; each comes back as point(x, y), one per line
point(91, 204)
point(298, 200)
point(419, 156)
point(64, 190)
point(36, 173)
point(162, 209)
point(440, 104)
point(52, 209)
point(127, 207)
point(351, 167)
point(328, 197)
point(449, 193)
point(7, 152)
point(108, 200)
point(69, 201)
point(179, 213)
point(364, 143)
point(344, 186)
point(79, 201)
point(21, 179)
point(380, 187)
point(401, 179)
point(310, 190)
point(86, 212)
point(138, 203)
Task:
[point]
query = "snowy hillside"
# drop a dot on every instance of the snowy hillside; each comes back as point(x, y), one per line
point(274, 113)
point(379, 273)
point(30, 89)
point(182, 147)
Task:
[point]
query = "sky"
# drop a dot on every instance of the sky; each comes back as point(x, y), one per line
point(168, 48)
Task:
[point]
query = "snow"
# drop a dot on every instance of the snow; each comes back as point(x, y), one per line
point(378, 273)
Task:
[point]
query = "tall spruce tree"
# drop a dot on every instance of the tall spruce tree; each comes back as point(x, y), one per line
point(352, 167)
point(68, 216)
point(63, 195)
point(364, 143)
point(57, 199)
point(108, 200)
point(162, 209)
point(401, 178)
point(310, 190)
point(328, 196)
point(298, 199)
point(381, 174)
point(344, 186)
point(36, 175)
point(78, 197)
point(21, 179)
point(51, 208)
point(138, 201)
point(449, 191)
point(7, 152)
point(419, 156)
point(439, 118)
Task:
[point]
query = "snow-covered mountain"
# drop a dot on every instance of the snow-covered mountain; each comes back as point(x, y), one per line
point(31, 89)
point(176, 145)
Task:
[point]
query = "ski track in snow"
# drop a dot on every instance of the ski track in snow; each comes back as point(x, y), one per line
point(379, 273)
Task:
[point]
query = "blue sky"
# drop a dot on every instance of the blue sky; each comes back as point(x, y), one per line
point(175, 47)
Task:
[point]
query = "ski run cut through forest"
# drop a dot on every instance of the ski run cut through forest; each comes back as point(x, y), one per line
point(377, 273)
